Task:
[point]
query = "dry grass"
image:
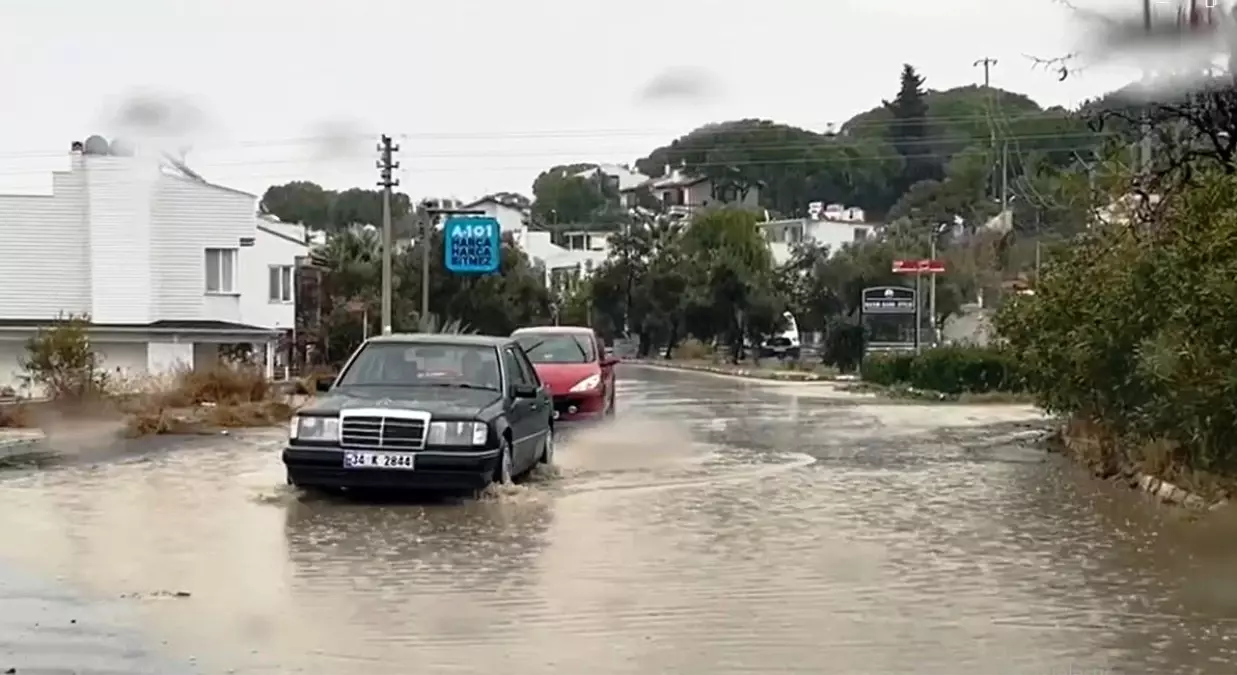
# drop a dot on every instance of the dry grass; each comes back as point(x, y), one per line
point(16, 416)
point(204, 401)
point(1109, 456)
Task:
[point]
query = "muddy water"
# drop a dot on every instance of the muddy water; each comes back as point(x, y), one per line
point(717, 527)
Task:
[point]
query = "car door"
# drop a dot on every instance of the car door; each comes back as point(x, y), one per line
point(524, 411)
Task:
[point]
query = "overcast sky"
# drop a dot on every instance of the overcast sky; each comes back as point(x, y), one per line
point(481, 94)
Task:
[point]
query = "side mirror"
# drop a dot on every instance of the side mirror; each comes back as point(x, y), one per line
point(324, 385)
point(524, 391)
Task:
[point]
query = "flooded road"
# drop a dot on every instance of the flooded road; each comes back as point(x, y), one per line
point(717, 527)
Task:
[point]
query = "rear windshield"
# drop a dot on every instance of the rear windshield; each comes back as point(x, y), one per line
point(558, 347)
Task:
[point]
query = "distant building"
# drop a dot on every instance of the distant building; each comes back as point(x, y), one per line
point(684, 194)
point(832, 225)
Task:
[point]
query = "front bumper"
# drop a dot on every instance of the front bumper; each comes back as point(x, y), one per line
point(579, 407)
point(446, 470)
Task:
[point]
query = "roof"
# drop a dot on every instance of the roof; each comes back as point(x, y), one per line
point(444, 338)
point(675, 179)
point(560, 330)
point(195, 325)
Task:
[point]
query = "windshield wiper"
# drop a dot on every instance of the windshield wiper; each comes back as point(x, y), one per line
point(460, 385)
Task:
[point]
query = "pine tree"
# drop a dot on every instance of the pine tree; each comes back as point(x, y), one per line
point(910, 132)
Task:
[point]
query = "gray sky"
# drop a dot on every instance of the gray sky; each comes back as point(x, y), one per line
point(483, 94)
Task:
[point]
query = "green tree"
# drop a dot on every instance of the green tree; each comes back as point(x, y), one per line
point(562, 196)
point(910, 131)
point(312, 205)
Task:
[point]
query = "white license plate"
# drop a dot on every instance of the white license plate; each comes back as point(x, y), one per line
point(402, 461)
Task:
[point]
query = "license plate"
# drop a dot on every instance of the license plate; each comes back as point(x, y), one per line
point(402, 461)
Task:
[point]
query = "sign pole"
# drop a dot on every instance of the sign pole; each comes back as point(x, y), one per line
point(430, 215)
point(918, 308)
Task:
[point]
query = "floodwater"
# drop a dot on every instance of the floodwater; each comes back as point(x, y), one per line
point(717, 527)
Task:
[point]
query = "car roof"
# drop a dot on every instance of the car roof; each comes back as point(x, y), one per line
point(444, 339)
point(554, 330)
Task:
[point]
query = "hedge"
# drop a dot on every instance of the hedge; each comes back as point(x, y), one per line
point(950, 370)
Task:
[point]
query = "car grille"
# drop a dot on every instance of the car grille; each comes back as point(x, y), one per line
point(384, 433)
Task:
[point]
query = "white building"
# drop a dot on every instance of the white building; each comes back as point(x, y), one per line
point(167, 266)
point(684, 193)
point(833, 226)
point(556, 260)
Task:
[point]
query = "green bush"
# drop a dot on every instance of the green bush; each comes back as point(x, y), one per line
point(1135, 328)
point(844, 346)
point(950, 370)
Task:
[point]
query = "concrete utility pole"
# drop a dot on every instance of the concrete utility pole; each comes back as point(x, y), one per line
point(431, 214)
point(987, 63)
point(1144, 159)
point(386, 166)
point(936, 233)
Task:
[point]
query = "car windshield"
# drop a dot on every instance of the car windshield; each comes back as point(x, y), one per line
point(393, 364)
point(560, 348)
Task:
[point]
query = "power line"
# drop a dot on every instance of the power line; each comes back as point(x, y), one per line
point(823, 145)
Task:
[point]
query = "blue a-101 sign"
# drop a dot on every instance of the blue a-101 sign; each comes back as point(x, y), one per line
point(474, 245)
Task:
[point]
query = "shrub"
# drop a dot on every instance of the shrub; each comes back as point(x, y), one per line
point(692, 349)
point(845, 343)
point(62, 361)
point(222, 383)
point(1134, 327)
point(950, 370)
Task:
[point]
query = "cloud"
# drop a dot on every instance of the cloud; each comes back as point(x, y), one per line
point(680, 85)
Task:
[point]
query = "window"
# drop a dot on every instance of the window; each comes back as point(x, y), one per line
point(861, 233)
point(512, 363)
point(391, 364)
point(559, 348)
point(220, 270)
point(281, 283)
point(530, 371)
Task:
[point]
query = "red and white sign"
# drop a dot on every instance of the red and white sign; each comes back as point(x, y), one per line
point(918, 267)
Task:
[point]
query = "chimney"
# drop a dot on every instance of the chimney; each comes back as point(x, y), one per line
point(77, 147)
point(669, 170)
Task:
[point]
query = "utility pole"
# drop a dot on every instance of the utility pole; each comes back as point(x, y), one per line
point(1004, 180)
point(386, 167)
point(936, 233)
point(1144, 160)
point(431, 214)
point(987, 63)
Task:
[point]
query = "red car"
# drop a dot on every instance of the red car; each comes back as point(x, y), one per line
point(571, 361)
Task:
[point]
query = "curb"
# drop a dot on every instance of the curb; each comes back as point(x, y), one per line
point(1160, 489)
point(786, 376)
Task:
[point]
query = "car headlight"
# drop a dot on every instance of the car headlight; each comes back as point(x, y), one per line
point(458, 433)
point(587, 384)
point(310, 428)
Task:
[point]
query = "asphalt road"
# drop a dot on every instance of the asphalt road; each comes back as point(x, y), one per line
point(717, 527)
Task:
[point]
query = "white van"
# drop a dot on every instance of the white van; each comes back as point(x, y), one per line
point(784, 344)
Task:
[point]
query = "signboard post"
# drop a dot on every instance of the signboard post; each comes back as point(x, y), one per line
point(473, 245)
point(920, 268)
point(895, 301)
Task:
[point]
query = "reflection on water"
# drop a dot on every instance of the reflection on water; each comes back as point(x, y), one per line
point(739, 530)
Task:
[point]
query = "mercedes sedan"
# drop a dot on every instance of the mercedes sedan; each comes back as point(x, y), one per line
point(424, 412)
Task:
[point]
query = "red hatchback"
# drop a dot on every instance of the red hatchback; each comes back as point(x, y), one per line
point(571, 361)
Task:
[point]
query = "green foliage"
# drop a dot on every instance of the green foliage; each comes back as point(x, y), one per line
point(61, 360)
point(561, 195)
point(844, 345)
point(312, 205)
point(949, 370)
point(433, 323)
point(1133, 327)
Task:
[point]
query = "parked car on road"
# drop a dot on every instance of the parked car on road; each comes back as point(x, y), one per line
point(575, 366)
point(425, 411)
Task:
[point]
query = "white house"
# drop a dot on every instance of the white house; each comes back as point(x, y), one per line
point(684, 193)
point(167, 266)
point(833, 226)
